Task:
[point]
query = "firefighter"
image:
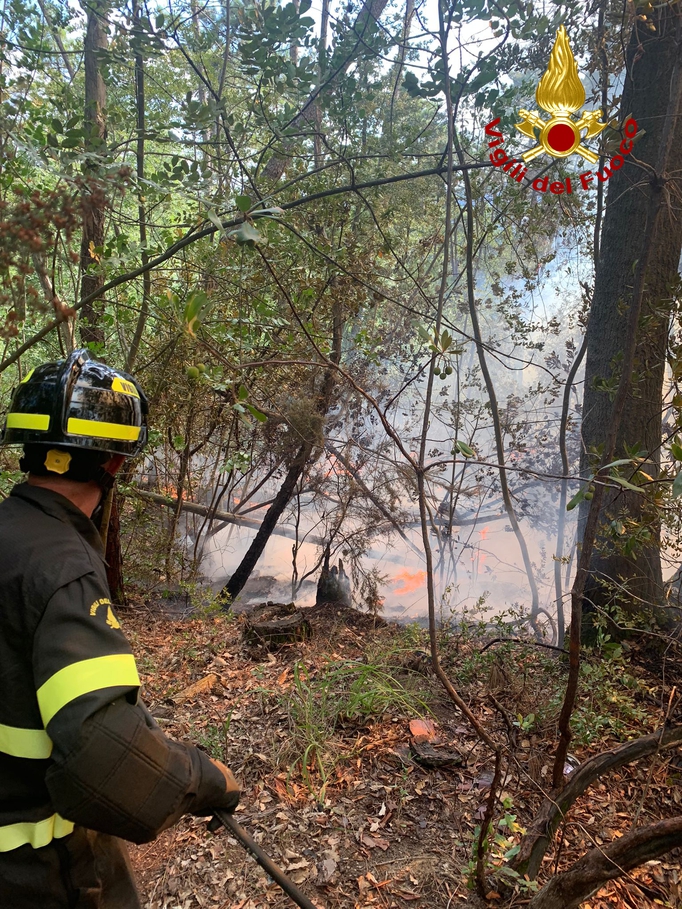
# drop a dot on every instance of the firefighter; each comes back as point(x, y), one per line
point(83, 766)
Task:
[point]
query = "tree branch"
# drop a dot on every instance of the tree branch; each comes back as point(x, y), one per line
point(570, 889)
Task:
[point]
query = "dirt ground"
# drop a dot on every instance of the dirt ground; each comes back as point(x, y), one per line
point(324, 736)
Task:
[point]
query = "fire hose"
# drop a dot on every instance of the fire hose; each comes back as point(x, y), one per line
point(263, 859)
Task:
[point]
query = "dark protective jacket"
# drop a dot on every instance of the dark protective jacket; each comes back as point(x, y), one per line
point(76, 747)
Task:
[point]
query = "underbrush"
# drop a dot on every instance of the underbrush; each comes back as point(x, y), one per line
point(323, 704)
point(530, 681)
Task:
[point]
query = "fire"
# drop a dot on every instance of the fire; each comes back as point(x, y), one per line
point(172, 492)
point(560, 90)
point(410, 581)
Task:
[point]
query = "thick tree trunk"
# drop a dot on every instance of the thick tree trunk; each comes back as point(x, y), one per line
point(94, 124)
point(651, 58)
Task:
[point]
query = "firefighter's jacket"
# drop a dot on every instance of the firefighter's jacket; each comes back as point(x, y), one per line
point(76, 748)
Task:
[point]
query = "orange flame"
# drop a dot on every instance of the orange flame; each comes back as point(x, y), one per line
point(410, 581)
point(173, 492)
point(560, 90)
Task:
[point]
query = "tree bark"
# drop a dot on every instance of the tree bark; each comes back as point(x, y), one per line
point(656, 186)
point(141, 205)
point(113, 555)
point(400, 63)
point(93, 205)
point(651, 59)
point(94, 124)
point(604, 863)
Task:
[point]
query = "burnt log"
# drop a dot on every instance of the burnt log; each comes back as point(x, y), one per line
point(272, 625)
point(333, 585)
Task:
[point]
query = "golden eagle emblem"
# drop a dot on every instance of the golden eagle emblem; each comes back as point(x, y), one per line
point(560, 92)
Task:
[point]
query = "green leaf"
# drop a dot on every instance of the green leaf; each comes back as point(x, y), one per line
point(196, 303)
point(273, 212)
point(577, 498)
point(677, 485)
point(465, 449)
point(625, 484)
point(246, 234)
point(243, 393)
point(261, 417)
point(620, 462)
point(214, 219)
point(243, 203)
point(412, 86)
point(676, 451)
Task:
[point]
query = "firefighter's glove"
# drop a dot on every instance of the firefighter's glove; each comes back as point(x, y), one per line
point(230, 799)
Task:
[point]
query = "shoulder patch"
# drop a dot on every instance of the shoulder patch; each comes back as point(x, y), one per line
point(112, 621)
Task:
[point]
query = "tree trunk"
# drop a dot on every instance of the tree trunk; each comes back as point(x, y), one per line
point(273, 514)
point(651, 58)
point(141, 205)
point(333, 585)
point(400, 62)
point(113, 554)
point(294, 473)
point(94, 124)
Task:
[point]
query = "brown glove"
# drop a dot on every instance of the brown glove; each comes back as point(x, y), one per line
point(232, 790)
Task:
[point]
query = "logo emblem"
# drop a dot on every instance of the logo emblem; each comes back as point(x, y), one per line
point(560, 92)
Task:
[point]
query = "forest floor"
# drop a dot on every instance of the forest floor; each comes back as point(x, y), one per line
point(325, 736)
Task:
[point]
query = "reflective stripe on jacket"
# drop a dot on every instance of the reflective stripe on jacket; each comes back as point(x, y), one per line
point(63, 655)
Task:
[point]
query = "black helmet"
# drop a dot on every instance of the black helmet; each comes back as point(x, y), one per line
point(79, 403)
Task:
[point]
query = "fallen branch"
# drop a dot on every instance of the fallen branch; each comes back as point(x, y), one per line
point(602, 864)
point(537, 840)
point(522, 643)
point(227, 516)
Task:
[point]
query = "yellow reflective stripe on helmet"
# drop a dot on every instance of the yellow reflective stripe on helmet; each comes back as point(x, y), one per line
point(125, 387)
point(39, 421)
point(27, 376)
point(37, 834)
point(101, 430)
point(117, 669)
point(25, 743)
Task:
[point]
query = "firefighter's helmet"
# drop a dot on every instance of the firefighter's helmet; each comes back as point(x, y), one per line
point(80, 403)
